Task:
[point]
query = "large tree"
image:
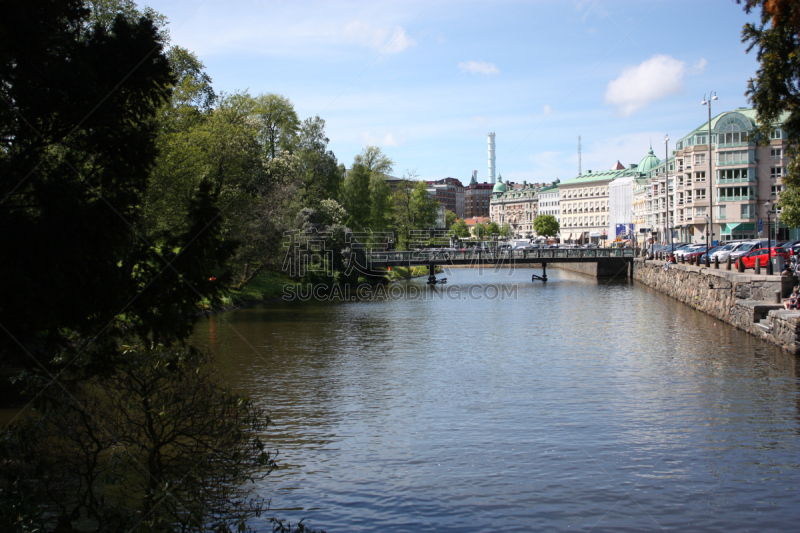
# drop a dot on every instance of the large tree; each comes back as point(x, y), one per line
point(546, 225)
point(775, 91)
point(78, 129)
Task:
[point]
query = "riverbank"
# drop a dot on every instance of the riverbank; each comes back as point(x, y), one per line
point(746, 301)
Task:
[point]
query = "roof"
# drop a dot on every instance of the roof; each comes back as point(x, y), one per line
point(605, 175)
point(499, 187)
point(748, 112)
point(476, 220)
point(648, 162)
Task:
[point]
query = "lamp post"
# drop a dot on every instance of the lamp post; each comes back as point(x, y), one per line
point(666, 172)
point(708, 258)
point(768, 206)
point(712, 96)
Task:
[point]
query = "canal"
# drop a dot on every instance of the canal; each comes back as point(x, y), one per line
point(501, 404)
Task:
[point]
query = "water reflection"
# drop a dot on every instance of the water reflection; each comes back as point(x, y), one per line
point(572, 403)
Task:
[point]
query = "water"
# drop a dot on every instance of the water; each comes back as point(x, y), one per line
point(576, 404)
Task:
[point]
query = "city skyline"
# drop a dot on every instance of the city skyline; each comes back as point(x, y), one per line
point(426, 81)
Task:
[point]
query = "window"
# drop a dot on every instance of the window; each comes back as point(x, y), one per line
point(775, 153)
point(700, 176)
point(680, 164)
point(776, 134)
point(776, 189)
point(699, 159)
point(776, 172)
point(689, 196)
point(737, 156)
point(700, 139)
point(749, 211)
point(735, 175)
point(699, 212)
point(700, 194)
point(722, 212)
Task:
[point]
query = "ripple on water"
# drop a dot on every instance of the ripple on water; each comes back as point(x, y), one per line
point(573, 404)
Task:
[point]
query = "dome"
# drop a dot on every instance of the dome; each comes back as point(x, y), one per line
point(648, 163)
point(499, 187)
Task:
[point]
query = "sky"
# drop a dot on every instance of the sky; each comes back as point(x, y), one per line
point(427, 80)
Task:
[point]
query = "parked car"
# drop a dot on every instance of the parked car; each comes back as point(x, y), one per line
point(589, 245)
point(749, 259)
point(690, 249)
point(744, 248)
point(701, 254)
point(734, 249)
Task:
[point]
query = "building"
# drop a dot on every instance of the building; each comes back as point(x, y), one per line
point(476, 198)
point(515, 205)
point(549, 202)
point(449, 192)
point(584, 204)
point(746, 176)
point(472, 222)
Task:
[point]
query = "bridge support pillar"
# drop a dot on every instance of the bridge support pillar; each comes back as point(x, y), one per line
point(431, 274)
point(543, 277)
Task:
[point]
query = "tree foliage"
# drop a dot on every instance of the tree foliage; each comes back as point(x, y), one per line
point(775, 91)
point(546, 225)
point(157, 445)
point(460, 229)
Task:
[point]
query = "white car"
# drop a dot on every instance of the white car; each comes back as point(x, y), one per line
point(690, 249)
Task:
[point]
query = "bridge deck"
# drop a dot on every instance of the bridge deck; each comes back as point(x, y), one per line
point(545, 256)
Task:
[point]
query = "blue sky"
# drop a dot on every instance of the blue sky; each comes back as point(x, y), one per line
point(426, 81)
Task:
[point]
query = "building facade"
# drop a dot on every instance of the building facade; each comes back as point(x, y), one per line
point(515, 205)
point(584, 205)
point(449, 192)
point(476, 199)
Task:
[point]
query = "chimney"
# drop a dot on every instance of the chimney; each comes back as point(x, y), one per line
point(491, 158)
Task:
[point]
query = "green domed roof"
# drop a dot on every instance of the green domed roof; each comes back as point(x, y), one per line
point(499, 187)
point(648, 163)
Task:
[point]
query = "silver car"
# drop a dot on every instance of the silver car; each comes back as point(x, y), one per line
point(723, 253)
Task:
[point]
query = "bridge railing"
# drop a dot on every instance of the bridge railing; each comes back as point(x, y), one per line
point(435, 256)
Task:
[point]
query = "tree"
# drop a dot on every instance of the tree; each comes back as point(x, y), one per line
point(356, 195)
point(492, 228)
point(450, 219)
point(460, 229)
point(380, 203)
point(374, 160)
point(321, 176)
point(366, 182)
point(158, 444)
point(278, 123)
point(775, 91)
point(505, 230)
point(546, 225)
point(480, 231)
point(73, 175)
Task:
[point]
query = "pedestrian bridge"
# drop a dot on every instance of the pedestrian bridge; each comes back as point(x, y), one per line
point(607, 259)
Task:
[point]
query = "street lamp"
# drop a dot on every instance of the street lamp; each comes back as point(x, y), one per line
point(708, 257)
point(666, 171)
point(713, 96)
point(768, 206)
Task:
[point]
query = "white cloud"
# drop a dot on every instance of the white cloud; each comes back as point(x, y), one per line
point(655, 79)
point(546, 109)
point(478, 67)
point(698, 67)
point(387, 140)
point(389, 40)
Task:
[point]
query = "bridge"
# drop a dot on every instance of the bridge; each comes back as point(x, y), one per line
point(611, 258)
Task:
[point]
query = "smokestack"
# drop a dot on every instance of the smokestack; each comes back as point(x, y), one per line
point(491, 158)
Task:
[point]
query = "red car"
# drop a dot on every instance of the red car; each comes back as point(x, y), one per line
point(749, 259)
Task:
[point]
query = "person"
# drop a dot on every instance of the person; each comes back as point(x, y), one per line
point(793, 302)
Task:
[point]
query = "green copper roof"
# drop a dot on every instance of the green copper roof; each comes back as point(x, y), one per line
point(499, 187)
point(604, 175)
point(648, 163)
point(746, 111)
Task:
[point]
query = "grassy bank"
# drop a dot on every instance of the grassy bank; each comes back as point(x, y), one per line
point(267, 285)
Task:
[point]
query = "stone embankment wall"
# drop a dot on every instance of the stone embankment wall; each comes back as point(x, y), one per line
point(746, 301)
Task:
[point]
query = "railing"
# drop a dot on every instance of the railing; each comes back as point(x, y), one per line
point(426, 256)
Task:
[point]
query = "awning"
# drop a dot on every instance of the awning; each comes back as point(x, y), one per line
point(566, 236)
